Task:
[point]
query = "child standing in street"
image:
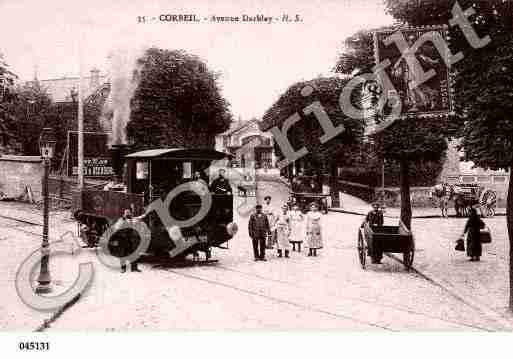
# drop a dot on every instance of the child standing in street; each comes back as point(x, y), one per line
point(268, 211)
point(282, 225)
point(296, 227)
point(313, 230)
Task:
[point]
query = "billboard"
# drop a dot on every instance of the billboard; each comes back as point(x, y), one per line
point(97, 161)
point(417, 71)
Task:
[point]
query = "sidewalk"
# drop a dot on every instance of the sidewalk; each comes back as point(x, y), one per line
point(482, 285)
point(31, 214)
point(354, 205)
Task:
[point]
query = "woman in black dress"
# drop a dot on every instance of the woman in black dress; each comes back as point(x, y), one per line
point(472, 228)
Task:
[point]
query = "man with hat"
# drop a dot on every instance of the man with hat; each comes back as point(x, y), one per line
point(258, 227)
point(375, 218)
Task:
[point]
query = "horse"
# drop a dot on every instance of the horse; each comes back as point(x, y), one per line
point(442, 192)
point(463, 200)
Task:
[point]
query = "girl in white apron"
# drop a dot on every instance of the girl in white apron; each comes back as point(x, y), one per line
point(282, 226)
point(313, 230)
point(297, 230)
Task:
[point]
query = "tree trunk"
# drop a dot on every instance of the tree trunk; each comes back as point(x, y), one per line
point(405, 193)
point(509, 221)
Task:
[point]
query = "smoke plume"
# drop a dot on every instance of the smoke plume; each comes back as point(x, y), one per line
point(124, 79)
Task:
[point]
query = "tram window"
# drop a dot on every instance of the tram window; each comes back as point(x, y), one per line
point(453, 179)
point(499, 179)
point(141, 171)
point(483, 179)
point(468, 179)
point(187, 170)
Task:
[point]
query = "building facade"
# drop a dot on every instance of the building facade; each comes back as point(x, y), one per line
point(248, 144)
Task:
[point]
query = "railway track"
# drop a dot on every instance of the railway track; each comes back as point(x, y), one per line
point(302, 305)
point(314, 308)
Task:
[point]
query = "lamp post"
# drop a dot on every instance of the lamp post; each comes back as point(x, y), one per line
point(47, 146)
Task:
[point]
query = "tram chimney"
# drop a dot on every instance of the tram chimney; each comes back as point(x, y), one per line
point(118, 153)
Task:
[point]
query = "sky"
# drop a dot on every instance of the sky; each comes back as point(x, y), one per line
point(257, 61)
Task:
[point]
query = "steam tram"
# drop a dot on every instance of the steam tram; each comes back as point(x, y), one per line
point(146, 177)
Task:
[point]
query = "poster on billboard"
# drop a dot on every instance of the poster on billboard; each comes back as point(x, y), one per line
point(415, 73)
point(97, 161)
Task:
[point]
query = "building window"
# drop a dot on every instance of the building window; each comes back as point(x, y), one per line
point(483, 179)
point(498, 179)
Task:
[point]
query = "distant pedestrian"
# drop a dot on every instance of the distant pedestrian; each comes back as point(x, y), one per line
point(472, 229)
point(269, 212)
point(297, 230)
point(282, 225)
point(313, 230)
point(258, 228)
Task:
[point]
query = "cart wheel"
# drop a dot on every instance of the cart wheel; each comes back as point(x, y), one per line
point(408, 256)
point(362, 249)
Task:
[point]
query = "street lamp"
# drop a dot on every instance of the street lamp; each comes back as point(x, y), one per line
point(47, 147)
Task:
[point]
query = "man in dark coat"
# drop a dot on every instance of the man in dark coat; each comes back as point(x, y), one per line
point(126, 241)
point(375, 218)
point(258, 228)
point(221, 185)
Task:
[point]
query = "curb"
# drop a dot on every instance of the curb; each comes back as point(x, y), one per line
point(340, 210)
point(46, 323)
point(453, 291)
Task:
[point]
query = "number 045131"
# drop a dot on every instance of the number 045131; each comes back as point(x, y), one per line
point(34, 346)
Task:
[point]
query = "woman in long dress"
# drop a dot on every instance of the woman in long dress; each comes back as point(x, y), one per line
point(296, 227)
point(313, 230)
point(472, 228)
point(282, 226)
point(268, 211)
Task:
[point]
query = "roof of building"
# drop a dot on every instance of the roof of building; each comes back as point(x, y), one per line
point(181, 153)
point(239, 125)
point(59, 89)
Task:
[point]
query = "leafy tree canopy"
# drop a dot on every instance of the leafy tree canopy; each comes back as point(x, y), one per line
point(178, 102)
point(7, 118)
point(483, 82)
point(307, 131)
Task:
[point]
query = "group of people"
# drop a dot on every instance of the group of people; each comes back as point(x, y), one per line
point(285, 230)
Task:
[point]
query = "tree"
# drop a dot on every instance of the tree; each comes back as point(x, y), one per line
point(7, 118)
point(307, 131)
point(484, 85)
point(177, 102)
point(32, 109)
point(408, 142)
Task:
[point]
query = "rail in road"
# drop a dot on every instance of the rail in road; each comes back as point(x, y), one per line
point(299, 304)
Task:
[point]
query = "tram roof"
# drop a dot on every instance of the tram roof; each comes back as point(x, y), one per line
point(180, 154)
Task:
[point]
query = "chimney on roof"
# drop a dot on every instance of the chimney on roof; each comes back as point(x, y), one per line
point(95, 78)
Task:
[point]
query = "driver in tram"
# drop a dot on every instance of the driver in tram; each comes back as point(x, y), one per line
point(221, 185)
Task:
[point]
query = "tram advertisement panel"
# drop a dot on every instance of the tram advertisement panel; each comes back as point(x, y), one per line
point(97, 161)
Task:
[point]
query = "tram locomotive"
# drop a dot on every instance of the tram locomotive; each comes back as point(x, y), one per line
point(147, 176)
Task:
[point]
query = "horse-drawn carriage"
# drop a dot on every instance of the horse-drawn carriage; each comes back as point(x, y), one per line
point(374, 240)
point(465, 196)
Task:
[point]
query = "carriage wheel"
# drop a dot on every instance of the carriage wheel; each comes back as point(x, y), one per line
point(362, 250)
point(408, 256)
point(488, 202)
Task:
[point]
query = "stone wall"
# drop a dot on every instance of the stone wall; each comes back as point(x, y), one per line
point(17, 173)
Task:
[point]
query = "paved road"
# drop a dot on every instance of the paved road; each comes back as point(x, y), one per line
point(326, 292)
